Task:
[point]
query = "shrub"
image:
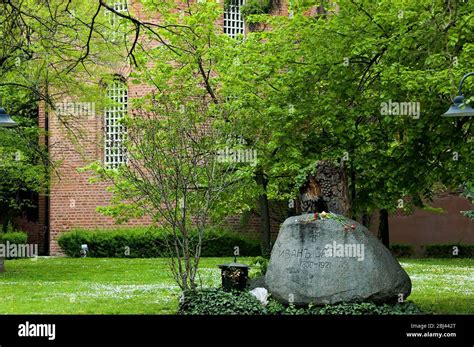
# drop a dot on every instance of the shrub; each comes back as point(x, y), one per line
point(140, 242)
point(150, 243)
point(218, 302)
point(401, 250)
point(16, 237)
point(367, 308)
point(468, 214)
point(221, 243)
point(259, 266)
point(447, 251)
point(252, 7)
point(364, 308)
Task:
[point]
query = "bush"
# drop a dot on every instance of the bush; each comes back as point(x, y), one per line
point(221, 243)
point(447, 251)
point(150, 243)
point(258, 267)
point(140, 242)
point(252, 7)
point(218, 302)
point(401, 250)
point(364, 308)
point(16, 237)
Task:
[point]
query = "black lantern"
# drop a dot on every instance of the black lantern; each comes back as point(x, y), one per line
point(5, 120)
point(459, 109)
point(234, 276)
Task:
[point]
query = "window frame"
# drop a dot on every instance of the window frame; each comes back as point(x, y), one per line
point(114, 133)
point(229, 23)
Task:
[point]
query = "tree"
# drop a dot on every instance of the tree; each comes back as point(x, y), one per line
point(176, 176)
point(45, 57)
point(319, 84)
point(311, 88)
point(23, 161)
point(180, 172)
point(315, 88)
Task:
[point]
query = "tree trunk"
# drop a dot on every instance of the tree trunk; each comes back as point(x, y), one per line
point(264, 215)
point(366, 220)
point(2, 266)
point(383, 233)
point(327, 190)
point(353, 192)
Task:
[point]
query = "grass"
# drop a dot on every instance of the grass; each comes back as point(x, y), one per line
point(442, 286)
point(94, 286)
point(145, 286)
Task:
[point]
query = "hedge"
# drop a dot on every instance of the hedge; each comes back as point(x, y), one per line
point(447, 251)
point(402, 250)
point(218, 302)
point(435, 250)
point(17, 237)
point(150, 243)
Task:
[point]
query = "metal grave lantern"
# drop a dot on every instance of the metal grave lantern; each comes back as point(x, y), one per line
point(459, 108)
point(5, 120)
point(234, 276)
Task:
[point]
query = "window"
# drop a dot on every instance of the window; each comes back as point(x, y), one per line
point(115, 152)
point(120, 6)
point(233, 21)
point(116, 22)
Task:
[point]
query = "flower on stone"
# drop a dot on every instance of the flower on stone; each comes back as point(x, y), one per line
point(324, 215)
point(346, 228)
point(316, 216)
point(353, 226)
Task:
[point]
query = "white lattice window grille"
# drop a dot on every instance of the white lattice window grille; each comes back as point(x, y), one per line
point(115, 152)
point(233, 20)
point(120, 6)
point(116, 22)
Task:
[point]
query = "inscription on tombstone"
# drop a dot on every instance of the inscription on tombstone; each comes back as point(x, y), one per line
point(319, 261)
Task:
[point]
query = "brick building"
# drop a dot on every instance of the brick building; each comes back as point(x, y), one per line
point(73, 200)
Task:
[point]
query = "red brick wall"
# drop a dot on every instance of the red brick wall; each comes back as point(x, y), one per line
point(73, 200)
point(423, 227)
point(251, 224)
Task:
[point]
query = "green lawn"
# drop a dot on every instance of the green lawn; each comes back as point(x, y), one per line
point(145, 286)
point(444, 286)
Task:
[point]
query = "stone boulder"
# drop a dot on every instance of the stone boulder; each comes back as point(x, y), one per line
point(328, 259)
